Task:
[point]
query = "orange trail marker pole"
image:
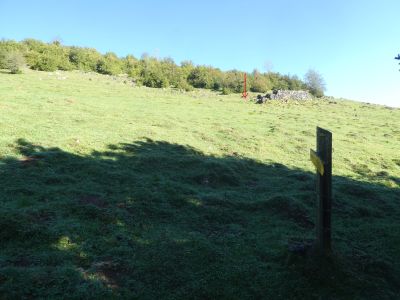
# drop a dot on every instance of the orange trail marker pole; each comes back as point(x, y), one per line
point(245, 94)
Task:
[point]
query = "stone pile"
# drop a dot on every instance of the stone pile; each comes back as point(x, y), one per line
point(284, 95)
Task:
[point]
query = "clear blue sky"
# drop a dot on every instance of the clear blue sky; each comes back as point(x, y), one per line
point(351, 43)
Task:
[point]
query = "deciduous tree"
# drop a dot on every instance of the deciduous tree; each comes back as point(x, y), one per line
point(315, 83)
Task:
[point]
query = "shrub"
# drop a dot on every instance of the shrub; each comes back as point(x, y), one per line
point(110, 64)
point(84, 59)
point(12, 46)
point(232, 82)
point(171, 72)
point(129, 63)
point(12, 55)
point(43, 61)
point(226, 91)
point(13, 61)
point(136, 72)
point(277, 81)
point(295, 83)
point(152, 78)
point(151, 74)
point(200, 77)
point(182, 84)
point(48, 57)
point(3, 59)
point(259, 83)
point(217, 79)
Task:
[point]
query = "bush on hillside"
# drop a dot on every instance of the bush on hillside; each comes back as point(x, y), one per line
point(169, 70)
point(259, 84)
point(2, 59)
point(136, 73)
point(12, 55)
point(226, 91)
point(84, 59)
point(10, 47)
point(294, 83)
point(43, 61)
point(152, 75)
point(182, 84)
point(129, 62)
point(217, 79)
point(200, 77)
point(154, 79)
point(48, 57)
point(277, 81)
point(110, 64)
point(148, 71)
point(232, 82)
point(14, 61)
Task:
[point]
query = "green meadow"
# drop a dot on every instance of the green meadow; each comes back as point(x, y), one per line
point(111, 191)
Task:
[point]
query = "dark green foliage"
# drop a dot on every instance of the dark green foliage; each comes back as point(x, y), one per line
point(131, 66)
point(12, 56)
point(259, 83)
point(182, 84)
point(226, 91)
point(3, 55)
point(186, 68)
point(148, 71)
point(152, 78)
point(43, 61)
point(153, 74)
point(278, 82)
point(109, 64)
point(12, 61)
point(48, 57)
point(9, 46)
point(200, 77)
point(84, 59)
point(206, 78)
point(217, 79)
point(233, 82)
point(294, 83)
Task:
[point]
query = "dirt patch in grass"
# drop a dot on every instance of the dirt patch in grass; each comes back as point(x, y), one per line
point(28, 161)
point(109, 272)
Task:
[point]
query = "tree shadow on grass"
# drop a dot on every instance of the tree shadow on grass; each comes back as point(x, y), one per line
point(158, 220)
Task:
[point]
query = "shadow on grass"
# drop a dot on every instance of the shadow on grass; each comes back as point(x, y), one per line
point(158, 220)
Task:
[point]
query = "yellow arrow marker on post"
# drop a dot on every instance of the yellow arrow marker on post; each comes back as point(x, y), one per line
point(318, 163)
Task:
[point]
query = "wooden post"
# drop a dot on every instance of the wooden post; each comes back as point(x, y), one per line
point(322, 159)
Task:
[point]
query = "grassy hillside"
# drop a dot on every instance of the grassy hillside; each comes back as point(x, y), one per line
point(114, 191)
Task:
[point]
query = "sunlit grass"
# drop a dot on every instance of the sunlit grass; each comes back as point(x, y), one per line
point(114, 191)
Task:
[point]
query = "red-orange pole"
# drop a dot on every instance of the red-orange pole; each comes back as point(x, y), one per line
point(244, 94)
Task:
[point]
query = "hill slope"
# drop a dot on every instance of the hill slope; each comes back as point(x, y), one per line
point(113, 190)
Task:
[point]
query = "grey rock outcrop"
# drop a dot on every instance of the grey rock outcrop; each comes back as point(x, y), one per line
point(284, 95)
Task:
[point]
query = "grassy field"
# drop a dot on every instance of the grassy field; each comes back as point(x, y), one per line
point(114, 191)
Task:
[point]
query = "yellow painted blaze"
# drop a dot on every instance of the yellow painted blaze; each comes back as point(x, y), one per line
point(318, 163)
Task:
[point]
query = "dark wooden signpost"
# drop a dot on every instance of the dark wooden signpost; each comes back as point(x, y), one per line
point(322, 159)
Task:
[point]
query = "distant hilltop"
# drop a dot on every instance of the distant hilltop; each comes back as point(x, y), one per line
point(148, 71)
